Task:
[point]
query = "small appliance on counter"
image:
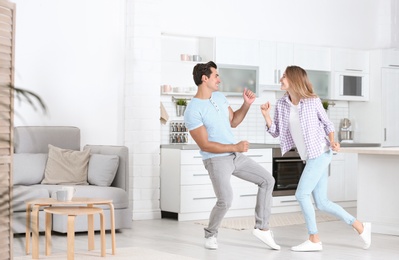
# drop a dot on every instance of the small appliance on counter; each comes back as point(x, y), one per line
point(345, 131)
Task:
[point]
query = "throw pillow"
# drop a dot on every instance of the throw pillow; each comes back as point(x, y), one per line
point(66, 166)
point(102, 169)
point(28, 168)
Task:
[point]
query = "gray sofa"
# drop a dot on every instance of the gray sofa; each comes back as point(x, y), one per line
point(31, 150)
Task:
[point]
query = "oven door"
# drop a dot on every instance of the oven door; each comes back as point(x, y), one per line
point(286, 172)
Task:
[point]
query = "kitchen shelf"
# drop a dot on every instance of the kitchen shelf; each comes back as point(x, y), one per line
point(178, 93)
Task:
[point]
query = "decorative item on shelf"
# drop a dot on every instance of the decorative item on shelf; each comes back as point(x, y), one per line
point(185, 57)
point(181, 104)
point(197, 58)
point(166, 88)
point(325, 104)
point(178, 132)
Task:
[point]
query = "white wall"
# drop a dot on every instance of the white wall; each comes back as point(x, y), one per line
point(362, 24)
point(71, 53)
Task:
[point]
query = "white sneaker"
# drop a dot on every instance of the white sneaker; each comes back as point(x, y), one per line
point(308, 246)
point(366, 235)
point(211, 243)
point(266, 237)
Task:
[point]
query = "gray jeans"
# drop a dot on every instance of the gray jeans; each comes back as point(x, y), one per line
point(220, 170)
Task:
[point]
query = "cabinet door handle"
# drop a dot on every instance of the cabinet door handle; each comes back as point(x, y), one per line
point(385, 134)
point(275, 76)
point(200, 175)
point(205, 198)
point(354, 70)
point(288, 201)
point(254, 155)
point(279, 76)
point(248, 195)
point(197, 156)
point(288, 160)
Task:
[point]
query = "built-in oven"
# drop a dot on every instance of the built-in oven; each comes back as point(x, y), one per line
point(287, 170)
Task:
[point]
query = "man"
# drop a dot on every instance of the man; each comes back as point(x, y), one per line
point(209, 118)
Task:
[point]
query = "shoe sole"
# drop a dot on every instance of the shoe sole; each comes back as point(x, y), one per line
point(312, 250)
point(211, 248)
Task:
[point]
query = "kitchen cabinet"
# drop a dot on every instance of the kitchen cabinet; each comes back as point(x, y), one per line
point(177, 73)
point(350, 77)
point(312, 57)
point(235, 51)
point(186, 189)
point(321, 82)
point(350, 60)
point(390, 58)
point(273, 60)
point(336, 178)
point(342, 178)
point(390, 97)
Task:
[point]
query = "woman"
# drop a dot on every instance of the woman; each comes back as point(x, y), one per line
point(301, 121)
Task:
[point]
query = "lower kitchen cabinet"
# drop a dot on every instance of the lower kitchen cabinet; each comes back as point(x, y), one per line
point(186, 190)
point(342, 180)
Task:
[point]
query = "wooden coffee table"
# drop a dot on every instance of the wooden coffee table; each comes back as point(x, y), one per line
point(72, 212)
point(33, 206)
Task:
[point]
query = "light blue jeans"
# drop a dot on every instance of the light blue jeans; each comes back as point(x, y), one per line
point(314, 180)
point(220, 170)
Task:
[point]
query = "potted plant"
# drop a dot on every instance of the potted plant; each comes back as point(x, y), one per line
point(181, 104)
point(325, 104)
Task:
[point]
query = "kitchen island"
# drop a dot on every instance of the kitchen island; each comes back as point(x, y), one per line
point(378, 187)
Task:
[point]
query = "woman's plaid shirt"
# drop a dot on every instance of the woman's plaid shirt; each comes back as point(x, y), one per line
point(314, 122)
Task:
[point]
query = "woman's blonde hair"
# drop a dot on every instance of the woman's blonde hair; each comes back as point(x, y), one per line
point(299, 82)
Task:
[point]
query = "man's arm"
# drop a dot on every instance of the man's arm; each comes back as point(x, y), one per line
point(200, 136)
point(239, 115)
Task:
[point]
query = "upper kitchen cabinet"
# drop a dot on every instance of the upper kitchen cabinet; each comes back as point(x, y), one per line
point(350, 75)
point(273, 60)
point(312, 57)
point(390, 58)
point(179, 54)
point(235, 51)
point(350, 60)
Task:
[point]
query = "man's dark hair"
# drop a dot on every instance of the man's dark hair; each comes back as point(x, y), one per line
point(202, 69)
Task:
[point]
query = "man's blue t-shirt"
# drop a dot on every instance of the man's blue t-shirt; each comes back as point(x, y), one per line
point(212, 113)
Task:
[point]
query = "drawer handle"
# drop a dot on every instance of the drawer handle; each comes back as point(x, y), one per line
point(205, 198)
point(288, 201)
point(198, 175)
point(197, 156)
point(254, 155)
point(248, 195)
point(288, 160)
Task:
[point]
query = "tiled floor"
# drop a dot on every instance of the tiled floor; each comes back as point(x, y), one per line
point(186, 239)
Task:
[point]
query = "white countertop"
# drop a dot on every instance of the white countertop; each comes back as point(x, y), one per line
point(195, 147)
point(371, 150)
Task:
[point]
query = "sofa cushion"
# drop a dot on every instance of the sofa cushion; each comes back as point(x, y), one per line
point(66, 166)
point(35, 139)
point(21, 194)
point(102, 169)
point(29, 168)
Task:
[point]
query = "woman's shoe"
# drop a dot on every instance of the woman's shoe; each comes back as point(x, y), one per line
point(308, 246)
point(366, 235)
